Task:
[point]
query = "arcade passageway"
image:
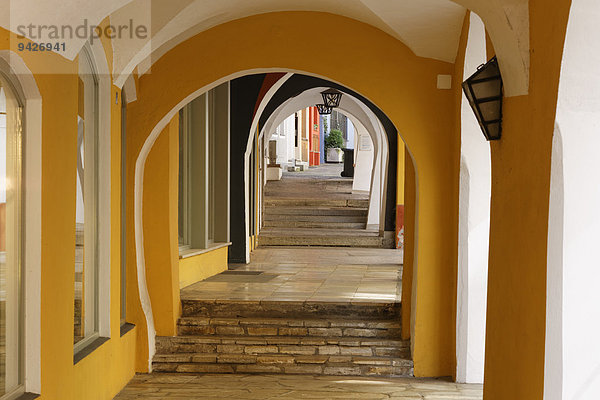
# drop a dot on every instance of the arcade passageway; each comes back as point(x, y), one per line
point(175, 223)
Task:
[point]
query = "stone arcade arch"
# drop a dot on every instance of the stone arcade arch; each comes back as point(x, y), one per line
point(361, 116)
point(406, 96)
point(298, 84)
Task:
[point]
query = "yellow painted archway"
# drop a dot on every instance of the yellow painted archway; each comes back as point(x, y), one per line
point(387, 73)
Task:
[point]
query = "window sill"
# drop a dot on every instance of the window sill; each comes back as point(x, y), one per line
point(87, 350)
point(126, 327)
point(195, 252)
point(28, 396)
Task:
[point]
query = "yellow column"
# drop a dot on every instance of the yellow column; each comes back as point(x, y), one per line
point(160, 244)
point(409, 242)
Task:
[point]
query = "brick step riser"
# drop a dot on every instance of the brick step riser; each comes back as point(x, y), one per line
point(279, 193)
point(314, 182)
point(321, 241)
point(292, 223)
point(221, 330)
point(291, 309)
point(169, 349)
point(328, 369)
point(283, 186)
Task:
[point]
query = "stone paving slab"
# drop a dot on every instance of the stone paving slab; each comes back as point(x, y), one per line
point(311, 274)
point(242, 386)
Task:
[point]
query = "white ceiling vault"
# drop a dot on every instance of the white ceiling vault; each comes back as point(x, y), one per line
point(430, 28)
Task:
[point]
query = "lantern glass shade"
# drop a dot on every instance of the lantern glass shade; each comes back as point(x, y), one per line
point(483, 90)
point(331, 97)
point(323, 109)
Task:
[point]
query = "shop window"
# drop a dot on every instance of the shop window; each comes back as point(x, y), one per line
point(86, 215)
point(11, 232)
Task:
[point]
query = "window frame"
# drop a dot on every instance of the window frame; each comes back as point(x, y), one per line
point(211, 154)
point(201, 129)
point(91, 226)
point(18, 285)
point(123, 308)
point(184, 134)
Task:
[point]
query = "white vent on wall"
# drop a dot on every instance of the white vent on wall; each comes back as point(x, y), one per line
point(444, 81)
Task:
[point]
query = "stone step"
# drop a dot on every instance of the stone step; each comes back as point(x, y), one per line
point(283, 363)
point(307, 188)
point(365, 311)
point(335, 211)
point(295, 345)
point(79, 254)
point(320, 240)
point(303, 191)
point(292, 222)
point(311, 181)
point(316, 218)
point(315, 202)
point(79, 234)
point(321, 232)
point(285, 327)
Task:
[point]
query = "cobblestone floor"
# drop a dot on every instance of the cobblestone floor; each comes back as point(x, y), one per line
point(187, 387)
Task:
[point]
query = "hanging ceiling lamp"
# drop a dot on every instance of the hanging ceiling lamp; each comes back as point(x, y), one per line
point(331, 97)
point(323, 109)
point(484, 93)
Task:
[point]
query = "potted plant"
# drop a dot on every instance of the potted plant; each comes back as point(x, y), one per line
point(333, 146)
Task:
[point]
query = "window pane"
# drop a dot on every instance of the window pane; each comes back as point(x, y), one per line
point(79, 234)
point(10, 240)
point(212, 161)
point(86, 292)
point(182, 186)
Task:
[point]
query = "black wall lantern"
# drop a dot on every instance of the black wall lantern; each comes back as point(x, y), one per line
point(484, 92)
point(323, 109)
point(331, 97)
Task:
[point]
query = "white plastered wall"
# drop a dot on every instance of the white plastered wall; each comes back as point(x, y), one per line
point(572, 362)
point(284, 135)
point(376, 214)
point(364, 153)
point(474, 225)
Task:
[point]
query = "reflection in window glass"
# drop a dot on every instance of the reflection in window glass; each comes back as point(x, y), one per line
point(10, 241)
point(86, 271)
point(183, 196)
